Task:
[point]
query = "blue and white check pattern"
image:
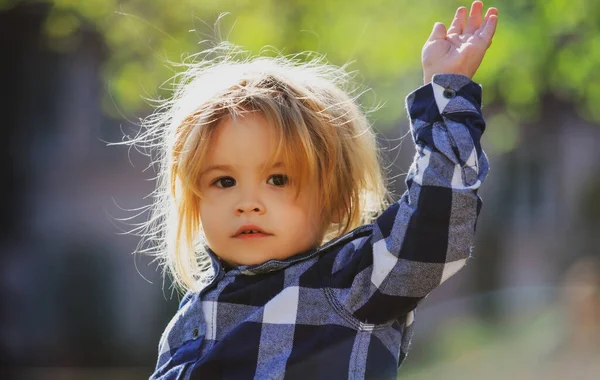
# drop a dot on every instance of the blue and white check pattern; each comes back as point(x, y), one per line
point(346, 310)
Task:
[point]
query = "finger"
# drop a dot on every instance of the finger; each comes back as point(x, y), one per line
point(438, 32)
point(491, 11)
point(475, 17)
point(459, 21)
point(490, 28)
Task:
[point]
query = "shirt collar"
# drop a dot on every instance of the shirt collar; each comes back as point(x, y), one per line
point(266, 267)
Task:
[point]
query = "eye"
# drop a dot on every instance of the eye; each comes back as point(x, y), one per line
point(224, 182)
point(279, 179)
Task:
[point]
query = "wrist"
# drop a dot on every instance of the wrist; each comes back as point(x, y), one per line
point(428, 77)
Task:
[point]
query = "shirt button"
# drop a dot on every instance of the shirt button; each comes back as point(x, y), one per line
point(449, 93)
point(195, 333)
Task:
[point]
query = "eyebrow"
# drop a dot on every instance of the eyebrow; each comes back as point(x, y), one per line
point(225, 168)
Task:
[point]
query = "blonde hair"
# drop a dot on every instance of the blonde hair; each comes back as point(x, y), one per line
point(321, 130)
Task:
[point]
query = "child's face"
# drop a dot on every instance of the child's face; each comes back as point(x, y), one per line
point(240, 193)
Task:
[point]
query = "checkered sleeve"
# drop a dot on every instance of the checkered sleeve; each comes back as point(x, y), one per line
point(427, 236)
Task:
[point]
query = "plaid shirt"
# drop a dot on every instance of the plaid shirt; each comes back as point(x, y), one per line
point(346, 309)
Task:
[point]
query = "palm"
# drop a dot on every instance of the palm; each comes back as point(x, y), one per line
point(461, 48)
point(453, 48)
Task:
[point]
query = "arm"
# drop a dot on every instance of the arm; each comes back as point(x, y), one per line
point(427, 236)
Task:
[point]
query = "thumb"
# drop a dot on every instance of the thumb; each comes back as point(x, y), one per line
point(438, 32)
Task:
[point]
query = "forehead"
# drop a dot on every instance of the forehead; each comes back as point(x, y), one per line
point(242, 141)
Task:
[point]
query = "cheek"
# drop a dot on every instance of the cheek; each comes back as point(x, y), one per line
point(304, 215)
point(211, 215)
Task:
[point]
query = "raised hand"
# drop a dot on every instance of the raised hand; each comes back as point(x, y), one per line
point(460, 49)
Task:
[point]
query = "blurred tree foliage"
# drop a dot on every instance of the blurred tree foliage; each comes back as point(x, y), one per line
point(542, 47)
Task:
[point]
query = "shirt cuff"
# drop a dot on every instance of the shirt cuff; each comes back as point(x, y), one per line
point(456, 93)
point(447, 101)
point(451, 93)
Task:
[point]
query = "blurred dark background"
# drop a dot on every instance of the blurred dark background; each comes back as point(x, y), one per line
point(75, 303)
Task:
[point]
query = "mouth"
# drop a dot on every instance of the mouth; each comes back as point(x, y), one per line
point(250, 231)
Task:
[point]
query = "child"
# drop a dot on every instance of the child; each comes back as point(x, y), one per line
point(266, 212)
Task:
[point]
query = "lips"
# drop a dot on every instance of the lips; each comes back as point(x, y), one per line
point(248, 230)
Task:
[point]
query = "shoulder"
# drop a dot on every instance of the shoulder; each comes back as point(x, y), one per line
point(336, 244)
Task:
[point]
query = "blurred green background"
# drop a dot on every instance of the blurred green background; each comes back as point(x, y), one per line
point(76, 304)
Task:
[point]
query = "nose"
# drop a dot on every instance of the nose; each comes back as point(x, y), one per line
point(250, 203)
point(248, 209)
